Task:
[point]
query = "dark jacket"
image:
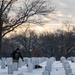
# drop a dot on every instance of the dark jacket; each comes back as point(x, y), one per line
point(16, 55)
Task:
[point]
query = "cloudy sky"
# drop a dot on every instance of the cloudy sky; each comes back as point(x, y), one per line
point(65, 10)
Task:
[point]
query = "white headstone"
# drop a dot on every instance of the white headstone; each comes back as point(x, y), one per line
point(26, 60)
point(9, 61)
point(10, 69)
point(15, 66)
point(30, 67)
point(68, 71)
point(62, 59)
point(45, 73)
point(3, 64)
point(20, 62)
point(48, 68)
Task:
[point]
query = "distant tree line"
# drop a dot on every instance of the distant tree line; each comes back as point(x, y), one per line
point(60, 43)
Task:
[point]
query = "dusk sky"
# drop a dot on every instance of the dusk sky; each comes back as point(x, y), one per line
point(64, 11)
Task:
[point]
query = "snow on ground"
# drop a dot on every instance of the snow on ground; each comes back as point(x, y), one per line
point(57, 69)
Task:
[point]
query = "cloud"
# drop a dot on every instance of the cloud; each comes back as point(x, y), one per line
point(65, 10)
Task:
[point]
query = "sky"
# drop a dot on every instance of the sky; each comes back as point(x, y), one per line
point(64, 11)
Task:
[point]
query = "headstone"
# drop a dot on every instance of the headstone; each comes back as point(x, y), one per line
point(15, 66)
point(39, 59)
point(30, 67)
point(23, 63)
point(62, 59)
point(3, 64)
point(20, 62)
point(36, 61)
point(45, 73)
point(68, 71)
point(9, 61)
point(48, 68)
point(69, 58)
point(10, 69)
point(33, 62)
point(43, 59)
point(26, 60)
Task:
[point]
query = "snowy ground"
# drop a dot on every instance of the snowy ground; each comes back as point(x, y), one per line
point(57, 69)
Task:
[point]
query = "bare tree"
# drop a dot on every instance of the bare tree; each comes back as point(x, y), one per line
point(29, 9)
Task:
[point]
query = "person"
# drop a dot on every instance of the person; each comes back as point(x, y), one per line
point(16, 55)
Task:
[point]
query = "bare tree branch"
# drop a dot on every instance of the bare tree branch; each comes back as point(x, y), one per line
point(25, 12)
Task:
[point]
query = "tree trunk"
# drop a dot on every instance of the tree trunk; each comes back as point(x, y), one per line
point(1, 24)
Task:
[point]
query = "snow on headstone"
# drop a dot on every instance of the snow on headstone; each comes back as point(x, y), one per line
point(30, 67)
point(45, 73)
point(15, 66)
point(10, 69)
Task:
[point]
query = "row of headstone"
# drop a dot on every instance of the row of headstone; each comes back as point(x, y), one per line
point(38, 60)
point(66, 65)
point(31, 62)
point(48, 66)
